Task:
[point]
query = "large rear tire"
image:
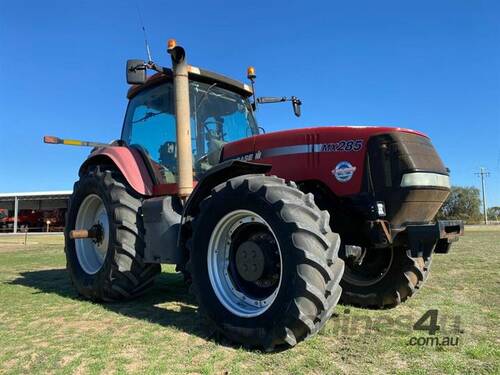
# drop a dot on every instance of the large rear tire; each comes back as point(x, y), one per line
point(112, 268)
point(289, 287)
point(388, 278)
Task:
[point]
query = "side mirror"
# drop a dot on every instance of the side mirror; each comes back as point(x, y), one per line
point(136, 72)
point(296, 103)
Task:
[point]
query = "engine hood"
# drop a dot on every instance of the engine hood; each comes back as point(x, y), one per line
point(312, 137)
point(335, 155)
point(358, 130)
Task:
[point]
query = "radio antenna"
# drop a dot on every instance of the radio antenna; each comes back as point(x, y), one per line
point(148, 51)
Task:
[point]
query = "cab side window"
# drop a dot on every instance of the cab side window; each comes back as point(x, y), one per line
point(150, 123)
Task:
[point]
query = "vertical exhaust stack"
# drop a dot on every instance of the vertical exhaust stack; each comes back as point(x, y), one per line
point(181, 95)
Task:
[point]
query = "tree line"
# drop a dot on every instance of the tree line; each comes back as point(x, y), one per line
point(464, 203)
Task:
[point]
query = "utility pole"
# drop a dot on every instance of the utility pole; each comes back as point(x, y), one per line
point(483, 173)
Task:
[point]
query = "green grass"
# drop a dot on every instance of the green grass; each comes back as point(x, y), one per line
point(46, 328)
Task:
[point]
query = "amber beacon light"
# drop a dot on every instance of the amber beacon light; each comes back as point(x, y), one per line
point(171, 44)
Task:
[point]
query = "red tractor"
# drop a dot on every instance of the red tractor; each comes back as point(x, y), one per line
point(193, 182)
point(25, 219)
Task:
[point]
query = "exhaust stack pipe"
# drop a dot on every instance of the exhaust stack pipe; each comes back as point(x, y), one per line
point(182, 116)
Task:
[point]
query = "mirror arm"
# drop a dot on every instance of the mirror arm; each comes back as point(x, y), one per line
point(149, 65)
point(268, 99)
point(153, 66)
point(296, 102)
point(137, 70)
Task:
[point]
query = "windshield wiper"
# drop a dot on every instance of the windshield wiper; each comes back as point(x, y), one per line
point(148, 115)
point(205, 95)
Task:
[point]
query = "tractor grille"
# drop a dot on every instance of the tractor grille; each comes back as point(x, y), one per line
point(392, 155)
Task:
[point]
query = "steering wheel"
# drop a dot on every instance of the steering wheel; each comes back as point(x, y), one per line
point(210, 131)
point(201, 160)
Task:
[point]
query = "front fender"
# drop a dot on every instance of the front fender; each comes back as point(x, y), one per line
point(128, 161)
point(217, 175)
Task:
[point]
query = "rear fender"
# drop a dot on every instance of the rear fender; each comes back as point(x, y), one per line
point(128, 161)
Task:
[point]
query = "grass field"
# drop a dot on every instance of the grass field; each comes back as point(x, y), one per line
point(46, 328)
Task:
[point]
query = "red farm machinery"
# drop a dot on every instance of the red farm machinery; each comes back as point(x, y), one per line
point(270, 230)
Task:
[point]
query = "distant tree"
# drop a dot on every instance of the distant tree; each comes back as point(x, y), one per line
point(494, 213)
point(462, 204)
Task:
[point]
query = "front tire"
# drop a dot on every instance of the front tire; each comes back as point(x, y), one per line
point(387, 278)
point(111, 268)
point(264, 262)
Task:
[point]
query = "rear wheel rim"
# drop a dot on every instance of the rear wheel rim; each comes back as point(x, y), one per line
point(372, 270)
point(92, 253)
point(222, 270)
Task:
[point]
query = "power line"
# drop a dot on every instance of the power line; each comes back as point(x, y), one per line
point(483, 173)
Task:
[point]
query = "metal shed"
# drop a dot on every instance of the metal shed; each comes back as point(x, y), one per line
point(40, 200)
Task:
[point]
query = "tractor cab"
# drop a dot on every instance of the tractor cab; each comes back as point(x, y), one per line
point(220, 112)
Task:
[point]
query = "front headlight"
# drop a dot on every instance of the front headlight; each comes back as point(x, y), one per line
point(425, 179)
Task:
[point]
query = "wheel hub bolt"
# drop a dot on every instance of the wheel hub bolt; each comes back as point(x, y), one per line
point(250, 261)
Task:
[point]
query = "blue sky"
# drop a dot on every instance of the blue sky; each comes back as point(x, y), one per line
point(433, 66)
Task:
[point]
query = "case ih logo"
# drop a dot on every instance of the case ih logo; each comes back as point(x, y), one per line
point(344, 171)
point(250, 157)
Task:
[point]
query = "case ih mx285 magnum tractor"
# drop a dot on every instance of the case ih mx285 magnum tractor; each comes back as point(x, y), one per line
point(258, 250)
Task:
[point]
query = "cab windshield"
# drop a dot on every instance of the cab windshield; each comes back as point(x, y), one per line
point(218, 116)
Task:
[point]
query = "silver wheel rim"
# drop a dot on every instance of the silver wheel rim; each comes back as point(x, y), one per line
point(219, 248)
point(90, 253)
point(351, 277)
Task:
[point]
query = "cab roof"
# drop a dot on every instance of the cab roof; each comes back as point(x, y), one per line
point(195, 74)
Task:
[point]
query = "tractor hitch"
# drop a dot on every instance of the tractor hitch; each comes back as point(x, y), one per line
point(438, 237)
